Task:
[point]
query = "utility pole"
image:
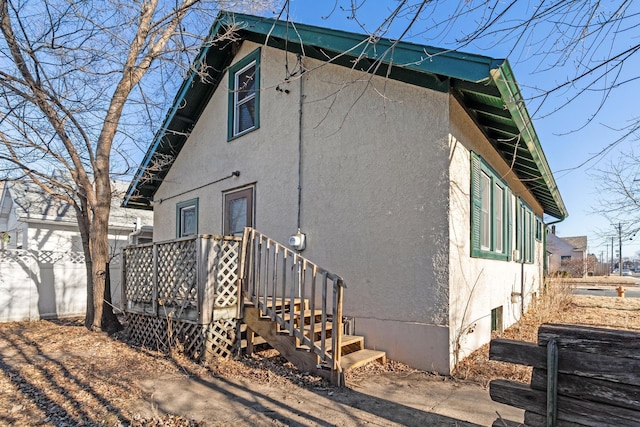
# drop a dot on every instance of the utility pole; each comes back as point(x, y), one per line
point(601, 263)
point(620, 244)
point(611, 254)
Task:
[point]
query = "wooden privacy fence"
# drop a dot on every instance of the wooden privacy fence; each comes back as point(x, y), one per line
point(582, 376)
point(275, 279)
point(185, 292)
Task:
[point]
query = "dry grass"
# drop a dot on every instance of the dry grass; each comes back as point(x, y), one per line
point(57, 373)
point(556, 305)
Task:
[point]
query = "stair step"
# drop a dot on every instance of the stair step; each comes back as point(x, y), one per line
point(317, 327)
point(296, 314)
point(361, 357)
point(347, 340)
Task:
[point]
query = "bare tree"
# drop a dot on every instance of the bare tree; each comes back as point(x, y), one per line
point(618, 192)
point(80, 83)
point(588, 45)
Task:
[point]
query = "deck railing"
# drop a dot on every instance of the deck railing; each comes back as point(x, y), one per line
point(194, 279)
point(278, 280)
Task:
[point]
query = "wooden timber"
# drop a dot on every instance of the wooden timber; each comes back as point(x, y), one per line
point(598, 376)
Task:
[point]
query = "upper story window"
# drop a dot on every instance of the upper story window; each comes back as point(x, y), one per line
point(490, 213)
point(187, 218)
point(244, 95)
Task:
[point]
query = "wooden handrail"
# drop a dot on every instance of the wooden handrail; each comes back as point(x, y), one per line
point(277, 280)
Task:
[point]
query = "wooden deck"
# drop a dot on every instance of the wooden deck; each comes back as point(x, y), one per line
point(216, 294)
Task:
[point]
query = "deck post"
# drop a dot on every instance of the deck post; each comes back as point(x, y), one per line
point(154, 294)
point(338, 294)
point(123, 280)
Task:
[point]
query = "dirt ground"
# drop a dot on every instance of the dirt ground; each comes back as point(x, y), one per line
point(56, 373)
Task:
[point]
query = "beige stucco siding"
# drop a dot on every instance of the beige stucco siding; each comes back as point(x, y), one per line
point(266, 157)
point(375, 191)
point(479, 285)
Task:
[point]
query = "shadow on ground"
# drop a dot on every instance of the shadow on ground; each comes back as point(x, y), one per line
point(237, 401)
point(56, 373)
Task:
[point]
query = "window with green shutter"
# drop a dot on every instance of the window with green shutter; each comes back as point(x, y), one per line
point(490, 212)
point(539, 228)
point(526, 232)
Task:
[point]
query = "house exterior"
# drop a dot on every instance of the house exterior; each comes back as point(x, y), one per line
point(394, 161)
point(34, 220)
point(567, 254)
point(42, 265)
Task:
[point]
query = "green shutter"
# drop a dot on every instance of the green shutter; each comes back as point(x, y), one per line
point(519, 232)
point(476, 205)
point(508, 233)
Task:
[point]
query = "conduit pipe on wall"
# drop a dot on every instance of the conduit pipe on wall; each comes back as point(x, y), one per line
point(234, 173)
point(300, 102)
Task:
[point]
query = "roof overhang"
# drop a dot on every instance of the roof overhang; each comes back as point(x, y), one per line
point(485, 87)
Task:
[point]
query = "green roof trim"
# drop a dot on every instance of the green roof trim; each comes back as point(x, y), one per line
point(543, 187)
point(485, 87)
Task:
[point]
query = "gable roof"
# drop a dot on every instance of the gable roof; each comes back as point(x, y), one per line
point(30, 202)
point(484, 86)
point(579, 243)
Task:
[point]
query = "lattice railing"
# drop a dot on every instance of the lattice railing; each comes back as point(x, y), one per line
point(227, 274)
point(194, 279)
point(177, 276)
point(138, 274)
point(183, 293)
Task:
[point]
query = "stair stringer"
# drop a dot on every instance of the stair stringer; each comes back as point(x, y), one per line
point(283, 343)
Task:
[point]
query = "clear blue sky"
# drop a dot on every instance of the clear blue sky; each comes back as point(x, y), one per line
point(565, 141)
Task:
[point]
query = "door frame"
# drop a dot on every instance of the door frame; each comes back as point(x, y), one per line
point(248, 192)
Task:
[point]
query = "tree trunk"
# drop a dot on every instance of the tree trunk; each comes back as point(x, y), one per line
point(110, 322)
point(103, 316)
point(83, 225)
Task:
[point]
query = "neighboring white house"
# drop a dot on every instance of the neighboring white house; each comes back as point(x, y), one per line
point(42, 270)
point(415, 173)
point(567, 253)
point(34, 220)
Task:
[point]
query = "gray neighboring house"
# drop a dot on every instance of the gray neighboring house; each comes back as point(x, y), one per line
point(415, 173)
point(566, 251)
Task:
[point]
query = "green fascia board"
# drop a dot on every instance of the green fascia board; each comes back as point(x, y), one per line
point(504, 80)
point(453, 64)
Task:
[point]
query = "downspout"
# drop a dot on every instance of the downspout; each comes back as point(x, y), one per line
point(300, 101)
point(522, 284)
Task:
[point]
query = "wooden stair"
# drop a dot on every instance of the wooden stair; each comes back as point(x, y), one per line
point(262, 329)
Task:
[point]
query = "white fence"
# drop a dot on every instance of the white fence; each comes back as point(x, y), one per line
point(45, 284)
